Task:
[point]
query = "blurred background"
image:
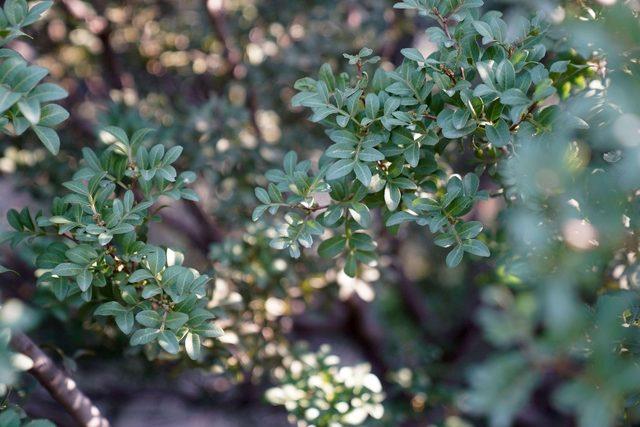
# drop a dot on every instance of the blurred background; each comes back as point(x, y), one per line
point(216, 76)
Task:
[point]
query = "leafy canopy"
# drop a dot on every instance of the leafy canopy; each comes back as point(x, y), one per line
point(26, 102)
point(393, 135)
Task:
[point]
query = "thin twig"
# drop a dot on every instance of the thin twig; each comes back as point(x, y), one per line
point(524, 117)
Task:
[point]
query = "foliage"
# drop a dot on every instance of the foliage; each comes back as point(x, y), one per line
point(316, 391)
point(513, 140)
point(393, 133)
point(25, 102)
point(15, 417)
point(494, 92)
point(102, 256)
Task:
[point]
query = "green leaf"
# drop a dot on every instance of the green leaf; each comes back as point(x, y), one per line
point(36, 11)
point(52, 115)
point(198, 316)
point(290, 161)
point(129, 294)
point(59, 220)
point(343, 137)
point(172, 155)
point(104, 238)
point(340, 168)
point(343, 120)
point(144, 336)
point(476, 247)
point(77, 187)
point(399, 218)
point(208, 330)
point(360, 213)
point(47, 92)
point(391, 104)
point(156, 259)
point(30, 78)
point(413, 54)
point(262, 195)
point(469, 230)
point(13, 217)
point(84, 280)
point(124, 320)
point(150, 290)
point(175, 320)
point(412, 155)
point(149, 318)
point(169, 342)
point(326, 74)
point(7, 98)
point(351, 266)
point(341, 150)
point(123, 228)
point(460, 118)
point(138, 136)
point(514, 97)
point(30, 109)
point(258, 212)
point(192, 345)
point(559, 66)
point(392, 197)
point(113, 133)
point(445, 240)
point(498, 136)
point(81, 254)
point(363, 173)
point(48, 137)
point(332, 247)
point(455, 256)
point(371, 105)
point(370, 155)
point(67, 269)
point(140, 275)
point(484, 30)
point(505, 75)
point(110, 308)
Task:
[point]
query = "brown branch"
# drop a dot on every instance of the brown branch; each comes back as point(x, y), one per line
point(199, 228)
point(217, 18)
point(62, 388)
point(414, 301)
point(369, 334)
point(524, 116)
point(410, 294)
point(443, 21)
point(252, 106)
point(101, 28)
point(233, 56)
point(212, 233)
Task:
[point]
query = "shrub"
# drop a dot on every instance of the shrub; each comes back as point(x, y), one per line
point(505, 152)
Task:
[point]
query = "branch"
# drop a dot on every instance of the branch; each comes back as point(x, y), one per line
point(101, 28)
point(410, 293)
point(62, 388)
point(212, 232)
point(524, 116)
point(217, 18)
point(369, 334)
point(233, 56)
